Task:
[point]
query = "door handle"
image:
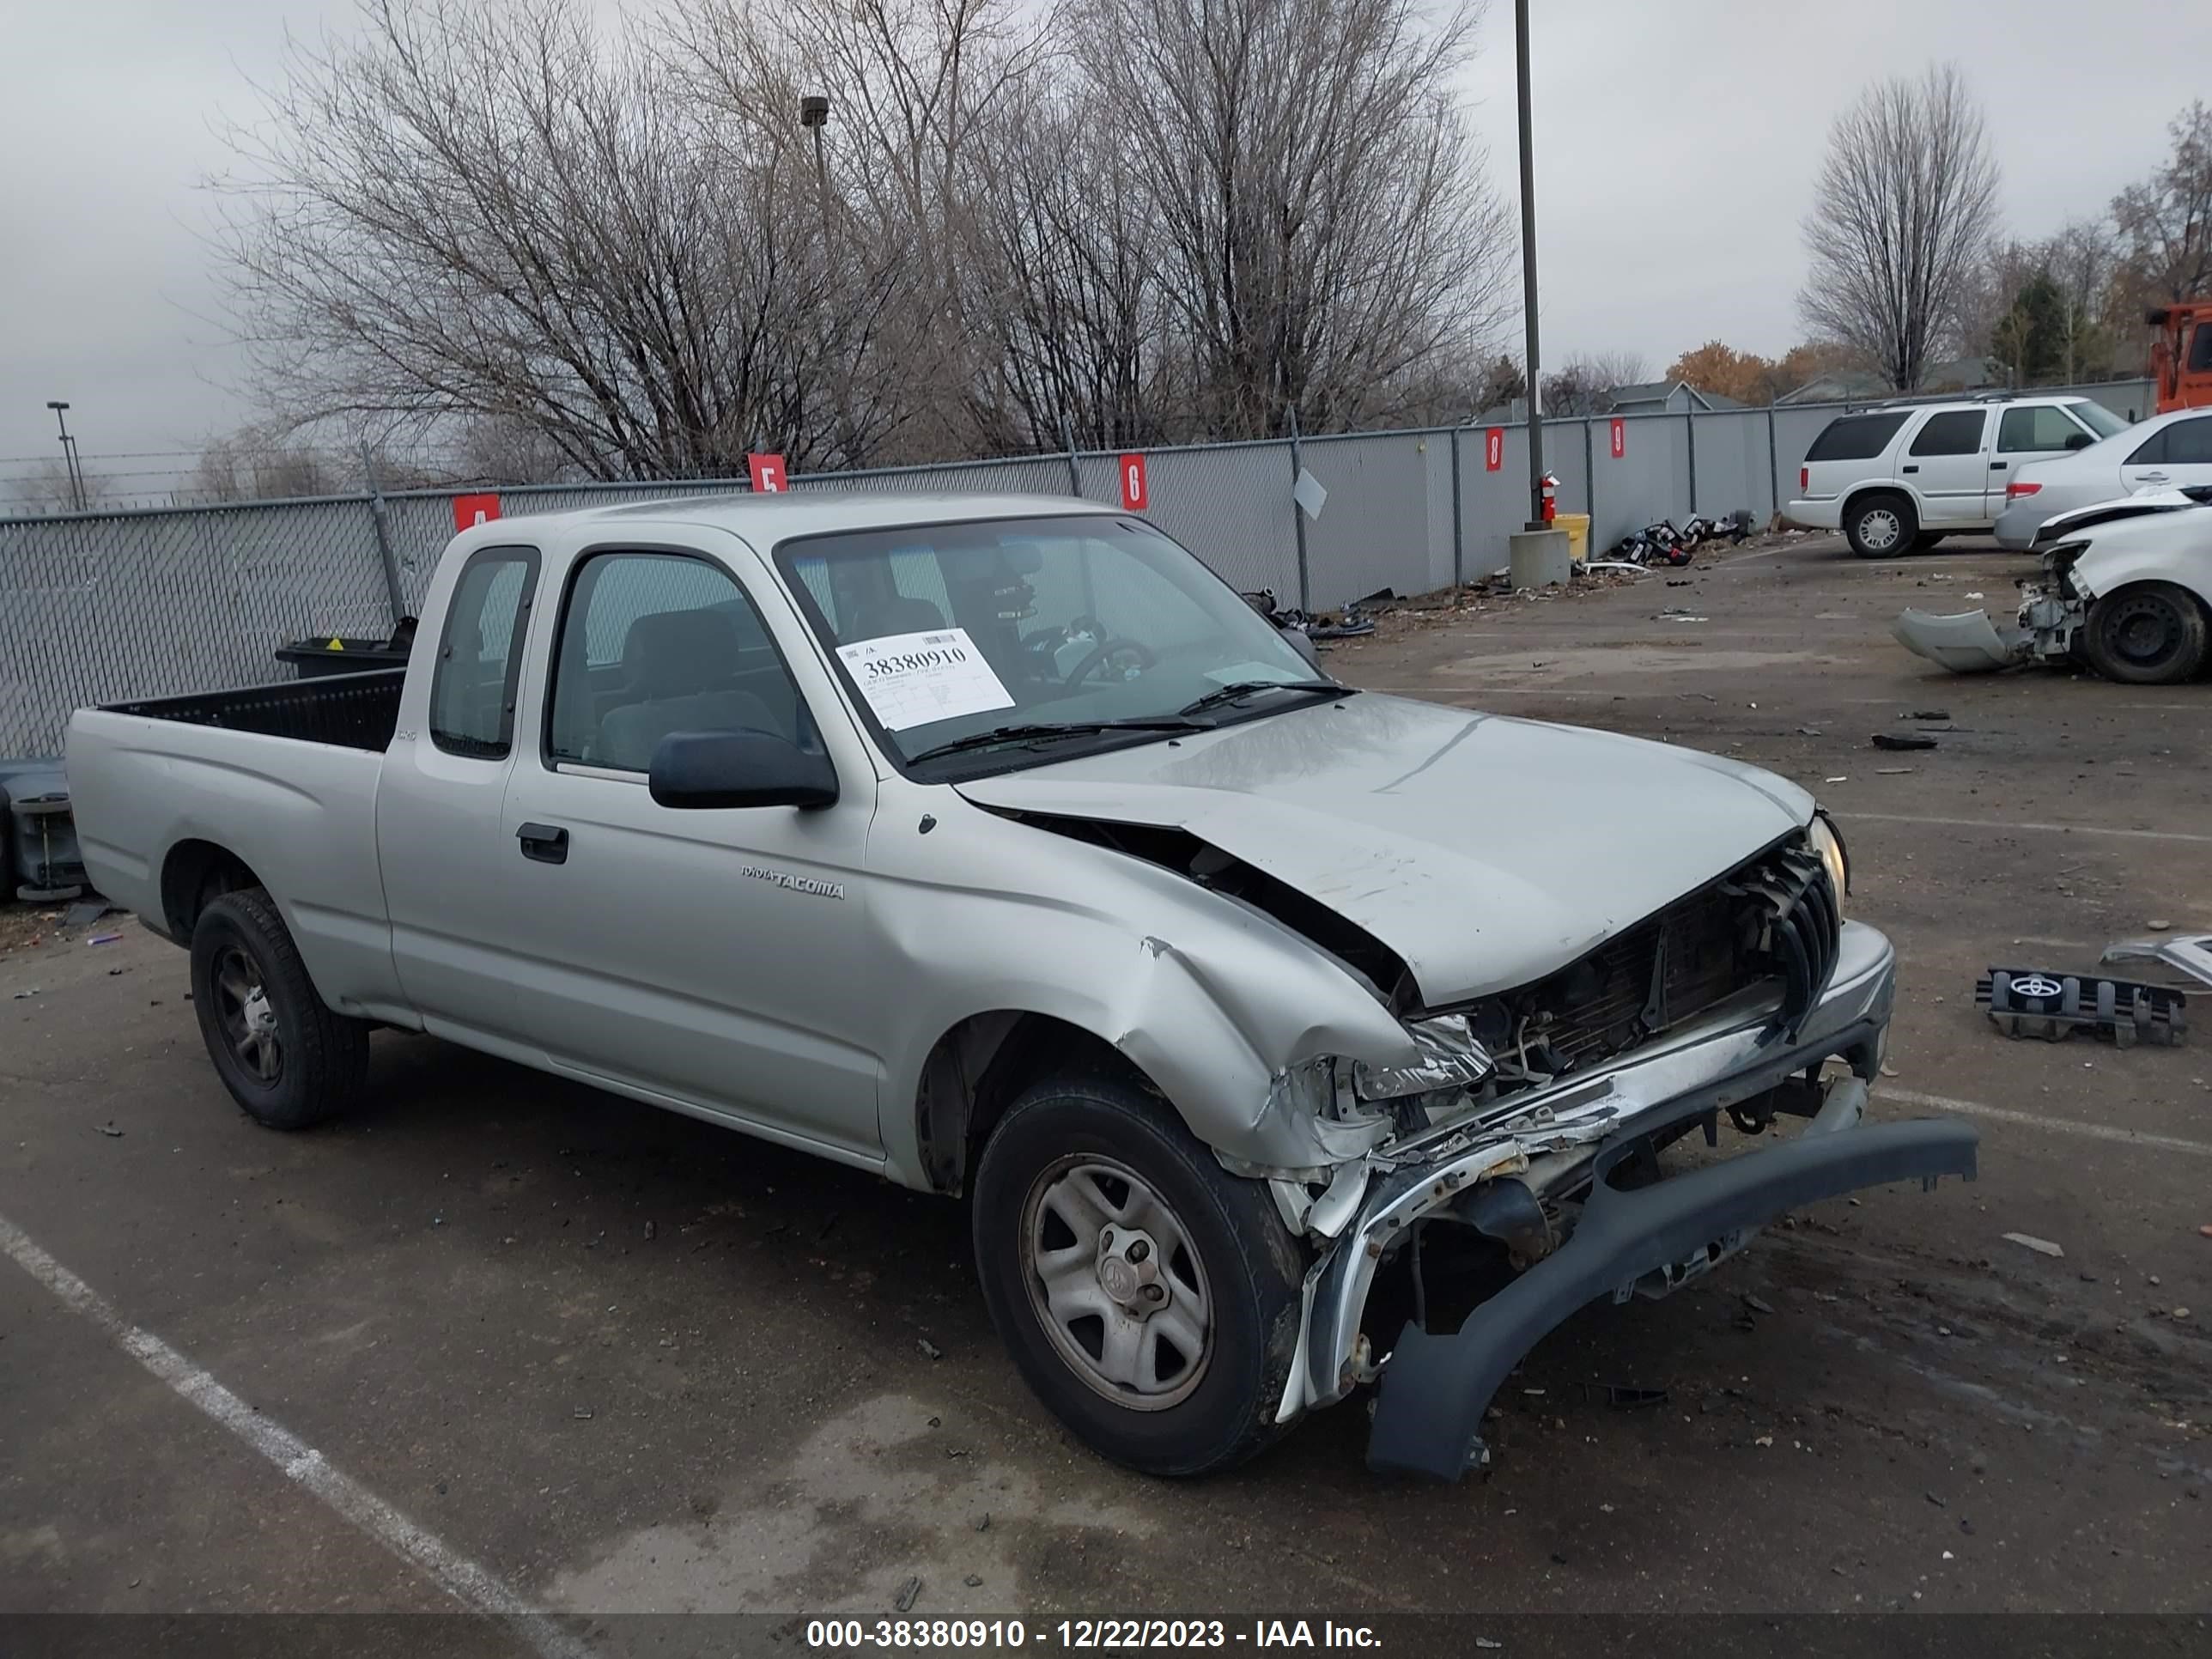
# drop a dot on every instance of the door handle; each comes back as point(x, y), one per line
point(546, 842)
point(1996, 466)
point(2150, 477)
point(1912, 469)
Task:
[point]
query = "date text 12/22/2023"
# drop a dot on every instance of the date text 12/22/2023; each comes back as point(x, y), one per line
point(832, 1635)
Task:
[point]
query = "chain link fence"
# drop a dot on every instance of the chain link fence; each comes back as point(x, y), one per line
point(104, 606)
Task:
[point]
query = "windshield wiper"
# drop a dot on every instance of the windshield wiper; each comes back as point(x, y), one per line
point(1043, 731)
point(1237, 690)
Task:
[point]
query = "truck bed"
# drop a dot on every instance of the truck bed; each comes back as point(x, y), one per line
point(352, 711)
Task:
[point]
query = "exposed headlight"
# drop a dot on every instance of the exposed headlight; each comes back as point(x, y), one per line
point(1451, 1059)
point(1829, 844)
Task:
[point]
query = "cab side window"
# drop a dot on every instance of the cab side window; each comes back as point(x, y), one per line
point(653, 643)
point(480, 655)
point(1954, 431)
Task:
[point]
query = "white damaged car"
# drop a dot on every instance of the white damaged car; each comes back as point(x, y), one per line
point(2126, 589)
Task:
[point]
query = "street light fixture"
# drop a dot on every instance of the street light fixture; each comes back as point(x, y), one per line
point(69, 453)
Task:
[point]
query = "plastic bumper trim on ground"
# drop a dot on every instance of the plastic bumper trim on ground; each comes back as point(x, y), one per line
point(1435, 1388)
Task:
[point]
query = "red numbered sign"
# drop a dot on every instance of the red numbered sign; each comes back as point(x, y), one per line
point(768, 474)
point(1135, 498)
point(1493, 449)
point(469, 511)
point(1619, 439)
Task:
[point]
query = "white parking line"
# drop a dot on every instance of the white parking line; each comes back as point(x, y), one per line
point(2063, 1125)
point(474, 1587)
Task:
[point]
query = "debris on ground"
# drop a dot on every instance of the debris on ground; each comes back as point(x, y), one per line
point(582, 1413)
point(974, 1581)
point(84, 914)
point(2027, 1002)
point(929, 1349)
point(103, 938)
point(2192, 955)
point(31, 991)
point(1930, 714)
point(2040, 1246)
point(908, 1594)
point(110, 1132)
point(1757, 1303)
point(1902, 740)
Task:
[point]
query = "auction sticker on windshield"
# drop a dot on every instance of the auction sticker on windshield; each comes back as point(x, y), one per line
point(911, 679)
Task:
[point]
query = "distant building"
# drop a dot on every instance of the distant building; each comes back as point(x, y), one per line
point(1667, 397)
point(1853, 385)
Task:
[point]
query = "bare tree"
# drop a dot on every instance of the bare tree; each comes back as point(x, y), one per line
point(47, 487)
point(481, 211)
point(2166, 221)
point(1906, 203)
point(1585, 383)
point(2081, 259)
point(1327, 236)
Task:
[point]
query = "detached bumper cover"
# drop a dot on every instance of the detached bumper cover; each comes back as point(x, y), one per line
point(1967, 643)
point(1433, 1392)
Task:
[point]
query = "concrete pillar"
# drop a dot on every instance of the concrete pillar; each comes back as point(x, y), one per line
point(1538, 558)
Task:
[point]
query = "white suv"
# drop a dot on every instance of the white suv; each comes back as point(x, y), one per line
point(1906, 475)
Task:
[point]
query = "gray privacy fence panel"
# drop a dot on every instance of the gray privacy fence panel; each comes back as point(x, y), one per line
point(107, 606)
point(1228, 503)
point(1373, 532)
point(1732, 470)
point(1647, 481)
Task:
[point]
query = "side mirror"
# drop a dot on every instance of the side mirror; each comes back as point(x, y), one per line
point(2079, 441)
point(738, 768)
point(1301, 642)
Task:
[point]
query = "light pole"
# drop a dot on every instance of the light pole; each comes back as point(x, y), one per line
point(1529, 271)
point(814, 114)
point(69, 453)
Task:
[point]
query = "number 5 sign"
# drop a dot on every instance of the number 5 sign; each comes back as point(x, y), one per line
point(1620, 438)
point(1493, 449)
point(768, 474)
point(1135, 498)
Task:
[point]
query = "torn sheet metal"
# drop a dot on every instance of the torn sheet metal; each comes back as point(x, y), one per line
point(1966, 643)
point(2192, 954)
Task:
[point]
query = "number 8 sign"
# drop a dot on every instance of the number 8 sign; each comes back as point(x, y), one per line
point(1134, 496)
point(1493, 449)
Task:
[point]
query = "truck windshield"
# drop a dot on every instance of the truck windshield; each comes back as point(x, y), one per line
point(986, 644)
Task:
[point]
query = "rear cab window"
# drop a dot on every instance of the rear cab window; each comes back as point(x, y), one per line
point(1854, 437)
point(480, 653)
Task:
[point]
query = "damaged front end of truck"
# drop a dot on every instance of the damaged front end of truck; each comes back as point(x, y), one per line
point(1506, 1171)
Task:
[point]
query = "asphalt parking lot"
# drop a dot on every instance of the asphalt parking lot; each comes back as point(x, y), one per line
point(617, 1361)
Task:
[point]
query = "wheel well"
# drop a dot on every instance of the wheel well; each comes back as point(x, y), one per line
point(1851, 501)
point(980, 1067)
point(193, 876)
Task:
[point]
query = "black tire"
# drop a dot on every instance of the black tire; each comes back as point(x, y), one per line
point(319, 1064)
point(1251, 1268)
point(2150, 634)
point(1881, 525)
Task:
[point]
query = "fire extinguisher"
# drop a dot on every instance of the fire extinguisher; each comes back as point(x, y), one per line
point(1551, 498)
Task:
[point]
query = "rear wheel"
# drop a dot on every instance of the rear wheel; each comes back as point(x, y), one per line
point(1881, 525)
point(2153, 634)
point(1150, 1298)
point(284, 1056)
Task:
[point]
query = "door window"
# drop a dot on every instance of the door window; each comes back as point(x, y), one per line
point(652, 643)
point(2038, 427)
point(480, 656)
point(1955, 432)
point(2189, 443)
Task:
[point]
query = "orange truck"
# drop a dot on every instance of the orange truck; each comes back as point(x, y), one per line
point(2181, 354)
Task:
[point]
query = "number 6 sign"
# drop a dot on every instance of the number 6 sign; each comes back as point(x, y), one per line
point(1134, 496)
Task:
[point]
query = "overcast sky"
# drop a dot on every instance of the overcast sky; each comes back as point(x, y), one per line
point(1675, 140)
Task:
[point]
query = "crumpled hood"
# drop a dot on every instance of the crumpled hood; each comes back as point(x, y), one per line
point(1486, 851)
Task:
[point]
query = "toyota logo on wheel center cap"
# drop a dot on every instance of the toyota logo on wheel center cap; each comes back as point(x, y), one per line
point(2037, 985)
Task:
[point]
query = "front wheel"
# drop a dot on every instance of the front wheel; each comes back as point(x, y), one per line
point(2152, 634)
point(1149, 1298)
point(286, 1058)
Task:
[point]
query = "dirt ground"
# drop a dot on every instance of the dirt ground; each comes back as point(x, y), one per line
point(616, 1360)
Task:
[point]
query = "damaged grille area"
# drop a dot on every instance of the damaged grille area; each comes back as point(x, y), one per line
point(1775, 919)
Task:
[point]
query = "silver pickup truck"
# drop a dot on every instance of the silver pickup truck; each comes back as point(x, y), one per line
point(1284, 1040)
